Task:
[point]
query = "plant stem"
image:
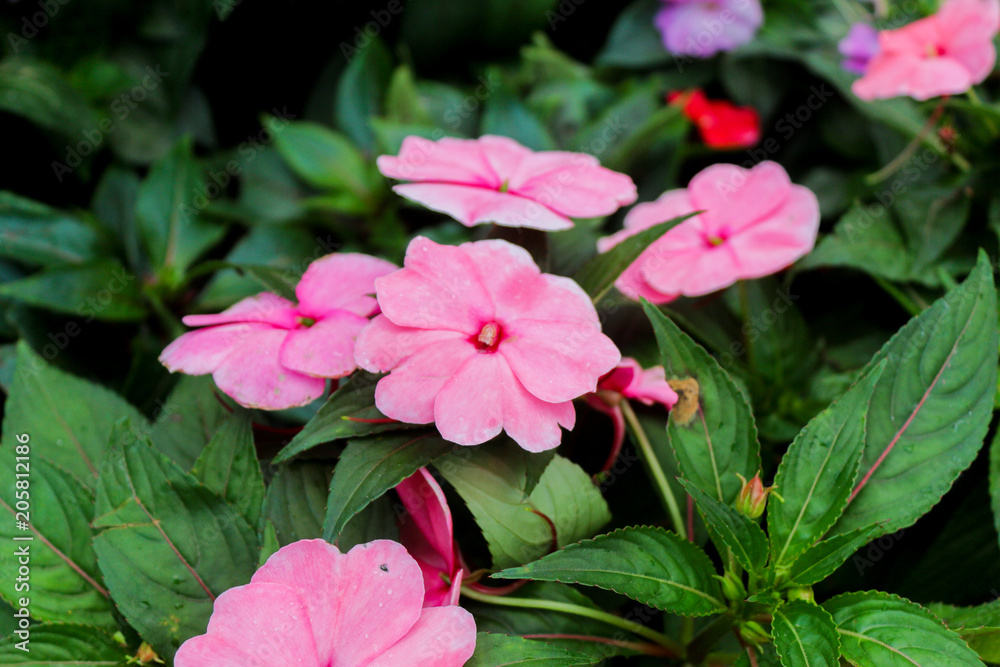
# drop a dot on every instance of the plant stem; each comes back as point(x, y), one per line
point(709, 636)
point(654, 650)
point(567, 608)
point(653, 463)
point(911, 148)
point(906, 302)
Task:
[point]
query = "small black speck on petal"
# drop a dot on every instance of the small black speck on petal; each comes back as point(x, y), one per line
point(384, 567)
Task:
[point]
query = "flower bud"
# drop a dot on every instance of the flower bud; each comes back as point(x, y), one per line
point(804, 593)
point(753, 633)
point(732, 587)
point(146, 655)
point(752, 498)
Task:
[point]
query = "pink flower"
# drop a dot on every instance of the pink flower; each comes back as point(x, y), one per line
point(268, 353)
point(702, 28)
point(427, 534)
point(312, 606)
point(943, 54)
point(629, 380)
point(478, 340)
point(755, 223)
point(495, 179)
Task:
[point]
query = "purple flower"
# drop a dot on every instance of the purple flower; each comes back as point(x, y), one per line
point(702, 28)
point(860, 46)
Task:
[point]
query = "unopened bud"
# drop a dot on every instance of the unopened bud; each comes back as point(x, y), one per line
point(752, 499)
point(146, 655)
point(732, 587)
point(753, 633)
point(804, 593)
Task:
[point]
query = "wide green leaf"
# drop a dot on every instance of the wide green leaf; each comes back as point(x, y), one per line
point(360, 92)
point(188, 419)
point(995, 480)
point(296, 500)
point(805, 636)
point(931, 407)
point(369, 467)
point(817, 472)
point(979, 626)
point(508, 651)
point(33, 233)
point(65, 584)
point(720, 440)
point(634, 41)
point(323, 158)
point(350, 412)
point(168, 211)
point(169, 546)
point(649, 565)
point(878, 629)
point(519, 526)
point(732, 530)
point(101, 290)
point(72, 416)
point(56, 644)
point(820, 560)
point(229, 467)
point(39, 92)
point(599, 274)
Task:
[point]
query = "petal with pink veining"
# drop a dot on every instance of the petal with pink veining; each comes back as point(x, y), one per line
point(573, 184)
point(255, 378)
point(469, 408)
point(202, 351)
point(360, 603)
point(472, 205)
point(326, 349)
point(263, 307)
point(733, 197)
point(447, 160)
point(341, 281)
point(553, 298)
point(408, 394)
point(427, 510)
point(529, 421)
point(382, 345)
point(258, 625)
point(443, 637)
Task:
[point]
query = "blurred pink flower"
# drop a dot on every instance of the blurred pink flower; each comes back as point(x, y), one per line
point(755, 222)
point(858, 47)
point(702, 28)
point(943, 54)
point(495, 179)
point(629, 380)
point(312, 606)
point(479, 340)
point(266, 352)
point(426, 532)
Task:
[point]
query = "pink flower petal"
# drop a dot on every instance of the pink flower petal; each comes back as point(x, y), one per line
point(448, 160)
point(428, 512)
point(468, 409)
point(734, 198)
point(360, 603)
point(572, 184)
point(529, 421)
point(632, 284)
point(558, 362)
point(443, 637)
point(263, 307)
point(436, 289)
point(326, 349)
point(775, 244)
point(382, 345)
point(553, 299)
point(341, 281)
point(650, 386)
point(258, 625)
point(253, 376)
point(472, 205)
point(409, 392)
point(203, 351)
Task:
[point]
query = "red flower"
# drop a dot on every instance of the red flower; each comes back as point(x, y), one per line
point(721, 124)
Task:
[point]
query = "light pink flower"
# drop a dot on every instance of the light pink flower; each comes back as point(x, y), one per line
point(629, 380)
point(266, 352)
point(426, 532)
point(478, 340)
point(702, 28)
point(755, 222)
point(943, 54)
point(312, 606)
point(495, 179)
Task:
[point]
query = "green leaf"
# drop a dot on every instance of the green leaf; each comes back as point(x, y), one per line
point(649, 565)
point(269, 543)
point(54, 644)
point(721, 439)
point(805, 636)
point(378, 521)
point(731, 529)
point(978, 626)
point(64, 580)
point(820, 560)
point(519, 527)
point(599, 274)
point(371, 466)
point(350, 412)
point(33, 233)
point(41, 93)
point(818, 471)
point(188, 420)
point(323, 158)
point(931, 407)
point(634, 40)
point(169, 546)
point(360, 92)
point(113, 205)
point(72, 416)
point(229, 467)
point(766, 657)
point(168, 212)
point(102, 290)
point(507, 116)
point(296, 500)
point(402, 100)
point(507, 651)
point(878, 629)
point(995, 480)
